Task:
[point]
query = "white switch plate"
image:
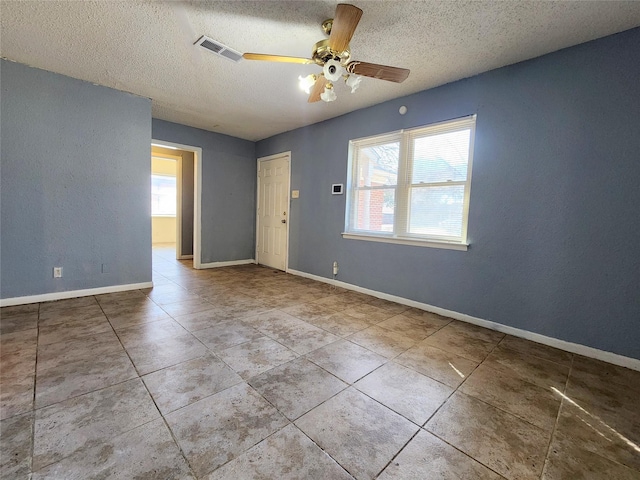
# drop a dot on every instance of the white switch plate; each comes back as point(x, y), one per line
point(295, 193)
point(57, 272)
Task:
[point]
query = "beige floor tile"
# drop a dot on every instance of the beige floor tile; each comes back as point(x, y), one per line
point(536, 350)
point(200, 320)
point(18, 341)
point(336, 302)
point(69, 380)
point(405, 391)
point(389, 306)
point(426, 457)
point(227, 334)
point(411, 327)
point(457, 341)
point(525, 400)
point(165, 352)
point(600, 431)
point(285, 455)
point(188, 382)
point(72, 330)
point(442, 366)
point(297, 335)
point(109, 299)
point(85, 348)
point(136, 315)
point(146, 452)
point(382, 341)
point(428, 317)
point(252, 358)
point(533, 369)
point(18, 362)
point(15, 322)
point(368, 312)
point(64, 428)
point(15, 444)
point(596, 384)
point(471, 330)
point(203, 433)
point(346, 360)
point(54, 316)
point(342, 324)
point(19, 310)
point(309, 312)
point(296, 387)
point(513, 448)
point(139, 335)
point(186, 307)
point(567, 460)
point(358, 432)
point(16, 395)
point(66, 304)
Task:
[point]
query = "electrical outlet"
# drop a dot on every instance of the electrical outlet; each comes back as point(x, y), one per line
point(57, 272)
point(105, 269)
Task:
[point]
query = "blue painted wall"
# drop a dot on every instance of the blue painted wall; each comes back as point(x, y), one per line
point(74, 181)
point(228, 190)
point(553, 222)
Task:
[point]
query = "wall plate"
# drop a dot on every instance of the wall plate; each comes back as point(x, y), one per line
point(337, 189)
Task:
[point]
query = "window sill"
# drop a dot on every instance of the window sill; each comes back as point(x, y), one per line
point(407, 241)
point(164, 216)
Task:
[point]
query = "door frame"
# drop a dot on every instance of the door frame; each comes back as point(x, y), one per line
point(197, 199)
point(178, 217)
point(275, 156)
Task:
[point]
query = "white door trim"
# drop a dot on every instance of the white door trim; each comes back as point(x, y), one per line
point(197, 197)
point(275, 156)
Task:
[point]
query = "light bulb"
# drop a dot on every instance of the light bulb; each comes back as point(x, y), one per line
point(332, 70)
point(305, 83)
point(328, 95)
point(353, 81)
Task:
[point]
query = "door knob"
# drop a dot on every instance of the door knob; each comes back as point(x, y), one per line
point(283, 221)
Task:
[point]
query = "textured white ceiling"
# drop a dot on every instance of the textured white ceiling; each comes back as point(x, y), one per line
point(146, 47)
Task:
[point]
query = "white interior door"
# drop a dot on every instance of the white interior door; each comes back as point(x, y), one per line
point(273, 211)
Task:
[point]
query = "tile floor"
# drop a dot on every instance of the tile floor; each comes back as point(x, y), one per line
point(249, 373)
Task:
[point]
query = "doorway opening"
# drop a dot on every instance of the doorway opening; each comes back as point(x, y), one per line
point(175, 203)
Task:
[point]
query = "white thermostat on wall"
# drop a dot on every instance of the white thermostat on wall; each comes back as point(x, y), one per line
point(337, 188)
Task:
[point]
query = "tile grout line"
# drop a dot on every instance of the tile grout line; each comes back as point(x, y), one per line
point(33, 406)
point(555, 425)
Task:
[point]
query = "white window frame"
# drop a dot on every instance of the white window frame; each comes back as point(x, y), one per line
point(403, 188)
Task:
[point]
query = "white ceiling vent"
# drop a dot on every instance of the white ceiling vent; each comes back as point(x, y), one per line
point(218, 48)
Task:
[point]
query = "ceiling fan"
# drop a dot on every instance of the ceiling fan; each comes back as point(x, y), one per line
point(334, 56)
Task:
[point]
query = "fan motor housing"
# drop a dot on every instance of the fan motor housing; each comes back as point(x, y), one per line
point(322, 53)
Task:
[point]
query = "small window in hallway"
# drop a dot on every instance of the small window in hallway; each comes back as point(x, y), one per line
point(163, 195)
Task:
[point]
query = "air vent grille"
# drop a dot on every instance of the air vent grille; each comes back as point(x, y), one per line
point(218, 48)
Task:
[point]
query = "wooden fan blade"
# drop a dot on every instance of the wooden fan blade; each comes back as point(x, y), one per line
point(317, 89)
point(344, 24)
point(275, 58)
point(382, 72)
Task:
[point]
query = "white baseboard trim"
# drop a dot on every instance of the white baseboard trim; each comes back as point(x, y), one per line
point(584, 350)
point(185, 257)
point(48, 297)
point(227, 264)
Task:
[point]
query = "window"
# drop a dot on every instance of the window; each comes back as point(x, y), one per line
point(163, 195)
point(412, 186)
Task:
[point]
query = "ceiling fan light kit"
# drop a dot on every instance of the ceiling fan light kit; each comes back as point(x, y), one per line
point(328, 95)
point(334, 56)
